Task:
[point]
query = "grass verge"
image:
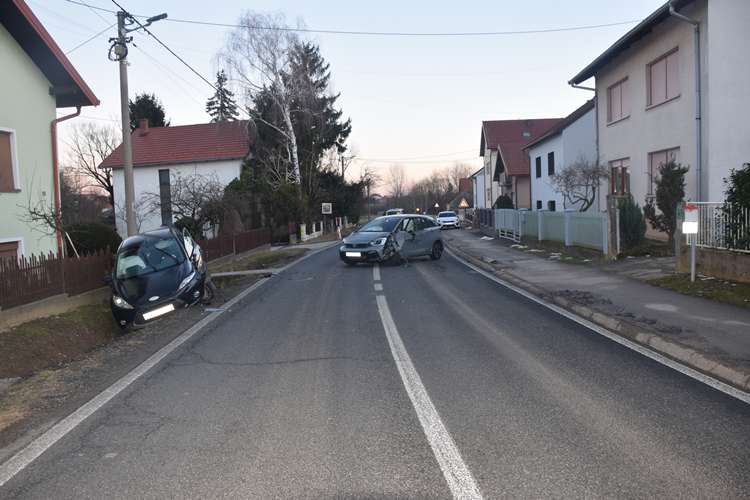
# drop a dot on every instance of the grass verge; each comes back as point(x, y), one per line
point(262, 260)
point(707, 287)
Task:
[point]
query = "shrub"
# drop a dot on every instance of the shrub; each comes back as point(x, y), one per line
point(90, 236)
point(503, 201)
point(736, 207)
point(632, 223)
point(670, 190)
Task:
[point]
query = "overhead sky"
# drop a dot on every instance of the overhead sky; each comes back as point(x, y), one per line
point(416, 78)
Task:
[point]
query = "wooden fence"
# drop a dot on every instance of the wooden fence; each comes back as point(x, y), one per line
point(26, 280)
point(216, 248)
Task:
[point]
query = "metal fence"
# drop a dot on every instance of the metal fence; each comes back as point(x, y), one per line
point(216, 248)
point(720, 224)
point(29, 279)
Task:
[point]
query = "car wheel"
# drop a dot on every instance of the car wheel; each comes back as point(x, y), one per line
point(209, 291)
point(350, 263)
point(437, 251)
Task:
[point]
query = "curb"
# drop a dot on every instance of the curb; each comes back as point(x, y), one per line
point(686, 355)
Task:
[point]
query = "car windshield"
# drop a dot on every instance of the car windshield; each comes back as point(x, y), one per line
point(150, 257)
point(447, 214)
point(380, 225)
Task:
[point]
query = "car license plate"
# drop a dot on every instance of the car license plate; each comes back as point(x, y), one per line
point(354, 254)
point(158, 312)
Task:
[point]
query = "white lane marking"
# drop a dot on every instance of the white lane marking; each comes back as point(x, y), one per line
point(457, 474)
point(685, 370)
point(378, 287)
point(27, 455)
point(376, 272)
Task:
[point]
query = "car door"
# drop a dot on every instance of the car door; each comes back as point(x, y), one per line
point(405, 237)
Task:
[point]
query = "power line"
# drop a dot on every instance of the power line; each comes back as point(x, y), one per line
point(381, 33)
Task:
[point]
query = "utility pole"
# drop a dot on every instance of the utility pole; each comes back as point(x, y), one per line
point(120, 46)
point(127, 146)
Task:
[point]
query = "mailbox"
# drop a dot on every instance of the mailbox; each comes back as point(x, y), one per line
point(690, 225)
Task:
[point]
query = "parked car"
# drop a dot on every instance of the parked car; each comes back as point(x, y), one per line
point(375, 241)
point(155, 274)
point(448, 219)
point(394, 211)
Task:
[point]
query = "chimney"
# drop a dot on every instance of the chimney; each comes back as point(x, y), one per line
point(143, 127)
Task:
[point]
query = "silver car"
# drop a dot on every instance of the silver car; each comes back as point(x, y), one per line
point(374, 242)
point(447, 219)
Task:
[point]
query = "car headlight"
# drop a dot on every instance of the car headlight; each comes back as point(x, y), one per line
point(377, 242)
point(120, 302)
point(186, 281)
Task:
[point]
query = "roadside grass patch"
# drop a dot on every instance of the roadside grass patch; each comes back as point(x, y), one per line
point(262, 260)
point(46, 342)
point(650, 247)
point(729, 292)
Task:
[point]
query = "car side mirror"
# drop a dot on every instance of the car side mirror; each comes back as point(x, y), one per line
point(107, 280)
point(412, 233)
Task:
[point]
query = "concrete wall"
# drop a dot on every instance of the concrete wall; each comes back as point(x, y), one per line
point(667, 125)
point(728, 93)
point(26, 111)
point(722, 265)
point(146, 180)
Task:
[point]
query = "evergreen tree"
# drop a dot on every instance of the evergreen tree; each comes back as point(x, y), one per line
point(736, 209)
point(147, 106)
point(632, 223)
point(670, 190)
point(221, 107)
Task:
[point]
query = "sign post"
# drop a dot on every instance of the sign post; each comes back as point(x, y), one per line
point(327, 210)
point(690, 226)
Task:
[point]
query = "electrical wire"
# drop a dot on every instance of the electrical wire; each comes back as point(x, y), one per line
point(93, 37)
point(379, 33)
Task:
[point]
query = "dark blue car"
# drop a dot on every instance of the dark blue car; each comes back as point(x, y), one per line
point(156, 273)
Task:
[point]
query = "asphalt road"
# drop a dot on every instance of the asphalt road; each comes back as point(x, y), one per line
point(372, 382)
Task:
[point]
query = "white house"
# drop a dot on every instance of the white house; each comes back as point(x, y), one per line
point(160, 153)
point(647, 95)
point(560, 146)
point(477, 183)
point(36, 80)
point(506, 166)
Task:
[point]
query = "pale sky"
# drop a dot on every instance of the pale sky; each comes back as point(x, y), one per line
point(418, 100)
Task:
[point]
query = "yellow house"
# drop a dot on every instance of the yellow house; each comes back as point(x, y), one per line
point(35, 81)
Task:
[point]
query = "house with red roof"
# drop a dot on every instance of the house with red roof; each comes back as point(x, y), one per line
point(656, 98)
point(211, 150)
point(558, 147)
point(506, 165)
point(36, 80)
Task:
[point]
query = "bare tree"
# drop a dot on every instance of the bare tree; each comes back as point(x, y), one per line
point(395, 178)
point(196, 200)
point(90, 143)
point(458, 171)
point(578, 182)
point(142, 208)
point(259, 55)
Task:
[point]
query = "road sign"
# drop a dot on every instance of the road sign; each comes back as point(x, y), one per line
point(690, 225)
point(327, 208)
point(437, 206)
point(463, 203)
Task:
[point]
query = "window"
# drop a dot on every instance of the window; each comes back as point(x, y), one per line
point(656, 159)
point(489, 194)
point(538, 204)
point(664, 79)
point(619, 101)
point(9, 250)
point(8, 169)
point(551, 205)
point(538, 167)
point(526, 135)
point(620, 176)
point(551, 163)
point(165, 198)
